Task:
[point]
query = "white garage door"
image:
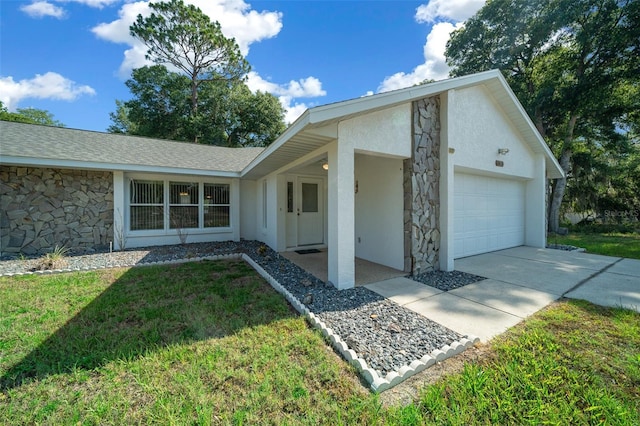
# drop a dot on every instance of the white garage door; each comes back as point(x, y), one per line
point(488, 214)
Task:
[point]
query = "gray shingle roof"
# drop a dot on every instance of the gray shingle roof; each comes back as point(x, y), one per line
point(51, 144)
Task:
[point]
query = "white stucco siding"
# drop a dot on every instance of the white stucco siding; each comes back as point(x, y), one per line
point(248, 207)
point(267, 205)
point(477, 128)
point(386, 132)
point(379, 214)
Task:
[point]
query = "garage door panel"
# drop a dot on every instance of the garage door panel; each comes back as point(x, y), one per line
point(489, 214)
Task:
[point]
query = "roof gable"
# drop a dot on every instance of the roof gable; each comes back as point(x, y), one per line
point(303, 136)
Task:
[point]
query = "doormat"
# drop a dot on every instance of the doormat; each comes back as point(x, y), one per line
point(308, 251)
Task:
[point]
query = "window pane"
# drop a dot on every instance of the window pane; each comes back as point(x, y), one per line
point(147, 217)
point(216, 216)
point(290, 197)
point(147, 192)
point(216, 193)
point(183, 217)
point(183, 193)
point(310, 197)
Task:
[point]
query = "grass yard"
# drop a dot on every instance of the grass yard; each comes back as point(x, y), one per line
point(609, 244)
point(198, 343)
point(211, 343)
point(573, 363)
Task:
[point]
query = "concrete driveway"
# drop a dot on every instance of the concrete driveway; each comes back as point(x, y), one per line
point(520, 281)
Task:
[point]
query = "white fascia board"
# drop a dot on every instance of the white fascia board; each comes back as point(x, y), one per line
point(388, 99)
point(91, 165)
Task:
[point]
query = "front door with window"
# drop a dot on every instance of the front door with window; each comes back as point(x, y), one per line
point(310, 211)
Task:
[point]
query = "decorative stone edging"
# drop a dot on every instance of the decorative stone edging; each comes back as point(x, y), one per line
point(376, 383)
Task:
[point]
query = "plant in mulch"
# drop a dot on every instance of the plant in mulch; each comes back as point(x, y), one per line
point(56, 259)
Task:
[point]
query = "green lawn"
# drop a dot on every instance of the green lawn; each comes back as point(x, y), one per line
point(198, 343)
point(211, 343)
point(610, 244)
point(571, 364)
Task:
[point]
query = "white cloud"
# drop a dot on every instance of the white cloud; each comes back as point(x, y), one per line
point(446, 16)
point(40, 9)
point(292, 112)
point(434, 66)
point(99, 4)
point(451, 10)
point(309, 87)
point(47, 86)
point(236, 19)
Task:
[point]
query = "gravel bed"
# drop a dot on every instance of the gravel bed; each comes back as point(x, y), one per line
point(564, 247)
point(446, 281)
point(384, 334)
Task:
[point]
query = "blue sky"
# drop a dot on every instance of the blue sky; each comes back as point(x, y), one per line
point(72, 57)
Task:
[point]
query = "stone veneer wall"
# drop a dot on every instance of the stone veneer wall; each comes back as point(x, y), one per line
point(43, 207)
point(422, 189)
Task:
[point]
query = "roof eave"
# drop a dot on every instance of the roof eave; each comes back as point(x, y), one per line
point(297, 126)
point(92, 165)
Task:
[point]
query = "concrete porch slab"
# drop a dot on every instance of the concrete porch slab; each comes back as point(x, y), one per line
point(510, 298)
point(366, 272)
point(464, 316)
point(549, 277)
point(403, 290)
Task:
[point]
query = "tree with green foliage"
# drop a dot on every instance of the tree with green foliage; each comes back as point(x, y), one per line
point(29, 116)
point(228, 115)
point(571, 64)
point(183, 37)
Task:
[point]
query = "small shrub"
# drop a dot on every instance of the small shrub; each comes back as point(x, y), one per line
point(53, 260)
point(262, 250)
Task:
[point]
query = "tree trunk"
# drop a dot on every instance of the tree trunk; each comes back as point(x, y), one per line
point(194, 101)
point(560, 186)
point(557, 192)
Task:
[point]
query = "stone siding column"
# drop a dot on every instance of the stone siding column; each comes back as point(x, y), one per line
point(422, 189)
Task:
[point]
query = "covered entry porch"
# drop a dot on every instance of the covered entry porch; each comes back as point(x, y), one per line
point(366, 272)
point(352, 212)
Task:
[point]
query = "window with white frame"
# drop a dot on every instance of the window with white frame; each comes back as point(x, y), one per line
point(184, 205)
point(147, 204)
point(164, 204)
point(217, 207)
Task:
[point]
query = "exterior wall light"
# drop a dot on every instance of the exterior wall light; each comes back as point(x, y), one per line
point(325, 165)
point(503, 151)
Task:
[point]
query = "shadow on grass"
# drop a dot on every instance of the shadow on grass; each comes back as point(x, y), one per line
point(150, 308)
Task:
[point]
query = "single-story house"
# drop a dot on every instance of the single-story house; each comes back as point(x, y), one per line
point(411, 179)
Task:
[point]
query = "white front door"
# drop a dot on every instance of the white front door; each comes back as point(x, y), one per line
point(309, 211)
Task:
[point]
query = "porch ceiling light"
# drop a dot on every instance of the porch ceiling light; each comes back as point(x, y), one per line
point(503, 151)
point(325, 165)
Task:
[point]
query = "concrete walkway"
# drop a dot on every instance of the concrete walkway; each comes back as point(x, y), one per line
point(520, 281)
